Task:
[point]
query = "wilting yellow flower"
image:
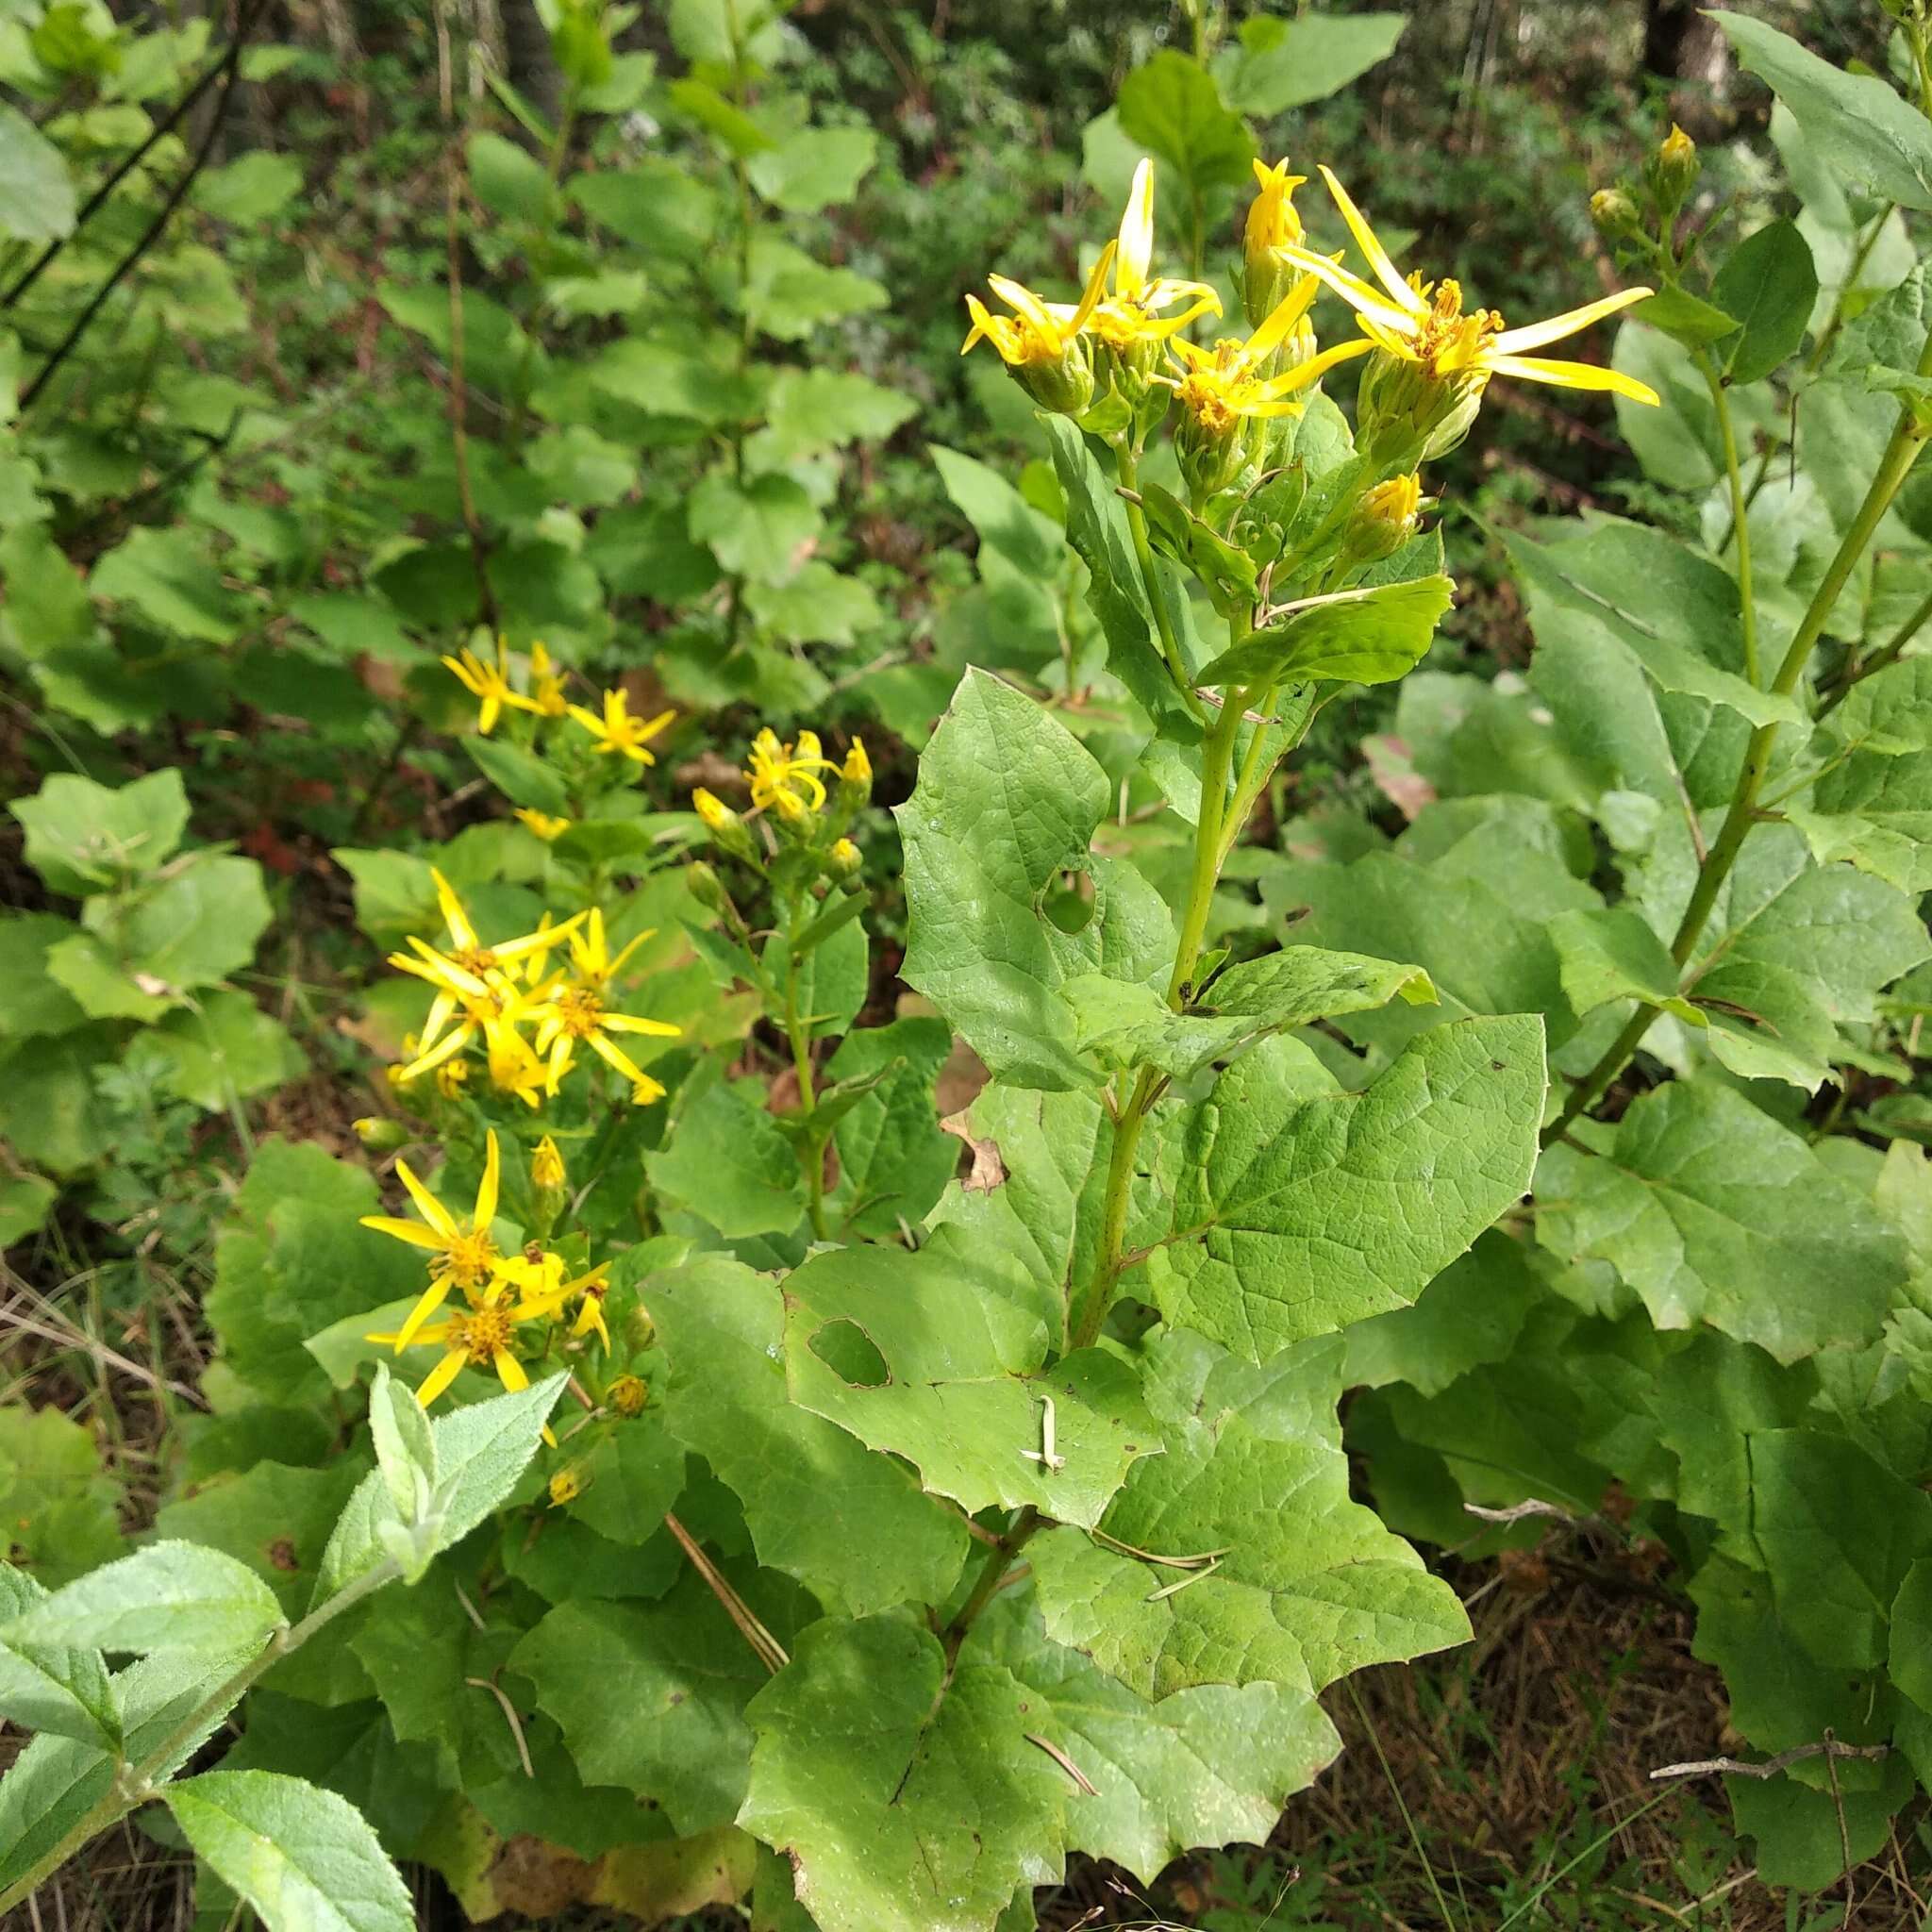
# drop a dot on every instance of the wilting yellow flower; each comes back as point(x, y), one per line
point(481, 1337)
point(463, 1258)
point(539, 1276)
point(1039, 334)
point(546, 1165)
point(1424, 322)
point(578, 1011)
point(542, 824)
point(785, 777)
point(617, 731)
point(1131, 314)
point(546, 684)
point(489, 684)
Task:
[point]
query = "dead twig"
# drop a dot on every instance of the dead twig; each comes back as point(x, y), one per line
point(1736, 1766)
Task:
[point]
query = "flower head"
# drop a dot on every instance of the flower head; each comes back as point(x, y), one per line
point(1423, 327)
point(1131, 314)
point(1274, 227)
point(566, 1486)
point(462, 1257)
point(628, 1394)
point(546, 684)
point(578, 1012)
point(542, 822)
point(616, 731)
point(488, 683)
point(481, 1337)
point(546, 1165)
point(785, 777)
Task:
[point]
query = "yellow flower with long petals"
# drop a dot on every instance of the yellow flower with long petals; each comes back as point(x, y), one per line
point(785, 777)
point(489, 684)
point(546, 1165)
point(481, 1337)
point(1220, 387)
point(618, 732)
point(539, 1279)
point(1131, 312)
point(514, 1067)
point(464, 1258)
point(467, 1006)
point(1426, 323)
point(467, 948)
point(546, 684)
point(579, 1011)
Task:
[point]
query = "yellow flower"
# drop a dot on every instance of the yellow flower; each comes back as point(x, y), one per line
point(545, 826)
point(786, 777)
point(461, 1257)
point(1131, 314)
point(1222, 386)
point(546, 1165)
point(618, 731)
point(628, 1394)
point(546, 1292)
point(1272, 220)
point(514, 1068)
point(566, 1486)
point(844, 855)
point(578, 1011)
point(546, 684)
point(466, 1005)
point(489, 684)
point(481, 1337)
point(713, 809)
point(857, 767)
point(466, 948)
point(1424, 322)
point(1039, 334)
point(451, 1077)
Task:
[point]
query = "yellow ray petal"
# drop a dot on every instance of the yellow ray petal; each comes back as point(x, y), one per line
point(612, 1055)
point(1282, 318)
point(1360, 296)
point(411, 1231)
point(437, 1331)
point(629, 1023)
point(428, 1205)
point(1096, 287)
point(1537, 335)
point(463, 934)
point(432, 1298)
point(1313, 370)
point(1573, 375)
point(487, 1187)
point(509, 1372)
point(1024, 302)
point(1137, 234)
point(1374, 253)
point(440, 1377)
point(448, 1047)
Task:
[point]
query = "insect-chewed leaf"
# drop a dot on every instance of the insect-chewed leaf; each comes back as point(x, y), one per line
point(1297, 1212)
point(1273, 1575)
point(1368, 636)
point(938, 1357)
point(1008, 800)
point(871, 1761)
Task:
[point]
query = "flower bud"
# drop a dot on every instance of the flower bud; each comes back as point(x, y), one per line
point(543, 824)
point(1409, 414)
point(1617, 217)
point(546, 1165)
point(723, 825)
point(566, 1486)
point(1065, 387)
point(855, 776)
point(628, 1394)
point(1272, 228)
point(843, 858)
point(705, 886)
point(451, 1077)
point(1671, 170)
point(1385, 520)
point(380, 1134)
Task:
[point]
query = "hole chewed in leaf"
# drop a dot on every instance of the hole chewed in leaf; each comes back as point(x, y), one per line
point(1068, 901)
point(851, 1355)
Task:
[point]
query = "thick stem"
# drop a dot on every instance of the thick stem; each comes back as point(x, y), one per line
point(1740, 521)
point(1900, 453)
point(133, 1784)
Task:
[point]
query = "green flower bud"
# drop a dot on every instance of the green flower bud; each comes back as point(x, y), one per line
point(1617, 217)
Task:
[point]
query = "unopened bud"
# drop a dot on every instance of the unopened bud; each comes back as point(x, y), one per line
point(628, 1394)
point(566, 1486)
point(723, 825)
point(843, 858)
point(1385, 520)
point(380, 1134)
point(1671, 170)
point(546, 1166)
point(705, 886)
point(1617, 217)
point(1272, 228)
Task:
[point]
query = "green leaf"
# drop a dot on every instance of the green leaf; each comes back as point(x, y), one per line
point(481, 1450)
point(59, 1688)
point(405, 1447)
point(790, 295)
point(1714, 1213)
point(509, 180)
point(736, 129)
point(1373, 635)
point(37, 1004)
point(521, 776)
point(820, 605)
point(250, 189)
point(193, 926)
point(164, 576)
point(939, 1358)
point(1010, 528)
point(1769, 283)
point(728, 1160)
point(850, 1526)
point(57, 1502)
point(870, 1757)
point(1908, 1661)
point(1132, 1026)
point(810, 410)
point(1685, 318)
point(814, 168)
point(81, 835)
point(1470, 1315)
point(1284, 64)
point(1286, 1580)
point(1297, 1212)
point(1008, 801)
point(894, 1159)
point(1857, 122)
point(36, 191)
point(1610, 955)
point(222, 1049)
point(305, 1858)
point(166, 1596)
point(762, 528)
point(1172, 108)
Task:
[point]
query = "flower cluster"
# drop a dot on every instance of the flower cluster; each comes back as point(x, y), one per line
point(810, 800)
point(528, 1021)
point(1429, 359)
point(501, 1293)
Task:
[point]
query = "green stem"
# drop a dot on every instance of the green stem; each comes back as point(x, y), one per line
point(1740, 522)
point(134, 1784)
point(1857, 673)
point(1900, 453)
point(798, 1033)
point(1129, 467)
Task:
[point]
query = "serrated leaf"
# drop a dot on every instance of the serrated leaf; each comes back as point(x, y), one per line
point(810, 410)
point(164, 576)
point(1132, 1026)
point(870, 1757)
point(192, 926)
point(813, 168)
point(305, 1858)
point(58, 1688)
point(1712, 1213)
point(939, 1358)
point(1287, 63)
point(894, 1159)
point(1172, 107)
point(166, 1596)
point(1286, 1581)
point(851, 1525)
point(481, 1451)
point(1373, 635)
point(1857, 122)
point(1006, 801)
point(1297, 1212)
